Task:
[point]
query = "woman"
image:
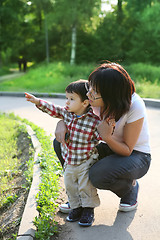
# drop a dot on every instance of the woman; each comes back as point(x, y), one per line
point(124, 153)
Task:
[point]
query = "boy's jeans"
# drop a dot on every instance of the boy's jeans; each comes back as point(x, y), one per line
point(79, 189)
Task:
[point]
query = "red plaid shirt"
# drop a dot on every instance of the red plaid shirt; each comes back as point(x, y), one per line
point(83, 134)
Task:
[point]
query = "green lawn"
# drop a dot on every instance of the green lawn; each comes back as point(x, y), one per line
point(54, 77)
point(51, 78)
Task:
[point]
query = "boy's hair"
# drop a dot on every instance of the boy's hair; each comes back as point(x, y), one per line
point(79, 88)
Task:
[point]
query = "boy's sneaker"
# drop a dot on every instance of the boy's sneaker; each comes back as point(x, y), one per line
point(87, 217)
point(65, 207)
point(129, 201)
point(75, 214)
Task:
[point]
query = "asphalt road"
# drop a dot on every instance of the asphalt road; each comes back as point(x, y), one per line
point(109, 224)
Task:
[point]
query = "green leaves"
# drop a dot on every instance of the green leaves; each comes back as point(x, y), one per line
point(48, 188)
point(146, 37)
point(11, 160)
point(46, 227)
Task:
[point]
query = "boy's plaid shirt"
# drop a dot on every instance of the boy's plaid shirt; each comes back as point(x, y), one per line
point(83, 135)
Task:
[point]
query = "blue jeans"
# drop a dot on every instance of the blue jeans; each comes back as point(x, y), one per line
point(114, 172)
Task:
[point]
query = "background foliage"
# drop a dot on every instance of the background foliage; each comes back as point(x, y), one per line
point(40, 29)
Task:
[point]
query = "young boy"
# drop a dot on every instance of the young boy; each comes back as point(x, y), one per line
point(79, 152)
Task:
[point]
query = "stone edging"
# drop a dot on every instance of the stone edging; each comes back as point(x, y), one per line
point(149, 102)
point(27, 228)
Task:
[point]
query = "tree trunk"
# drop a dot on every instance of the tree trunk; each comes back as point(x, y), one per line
point(119, 11)
point(46, 40)
point(119, 5)
point(73, 45)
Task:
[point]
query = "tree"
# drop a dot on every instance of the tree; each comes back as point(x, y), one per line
point(138, 5)
point(73, 14)
point(11, 21)
point(41, 9)
point(119, 10)
point(109, 37)
point(146, 38)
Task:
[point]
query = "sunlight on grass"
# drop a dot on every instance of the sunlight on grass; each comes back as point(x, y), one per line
point(10, 160)
point(8, 152)
point(8, 148)
point(54, 77)
point(148, 90)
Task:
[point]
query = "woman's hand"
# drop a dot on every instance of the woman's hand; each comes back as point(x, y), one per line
point(130, 136)
point(32, 98)
point(60, 132)
point(106, 128)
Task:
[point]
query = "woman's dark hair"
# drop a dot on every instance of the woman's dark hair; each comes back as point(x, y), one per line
point(116, 87)
point(79, 88)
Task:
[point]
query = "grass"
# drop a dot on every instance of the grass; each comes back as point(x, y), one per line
point(51, 170)
point(9, 162)
point(4, 71)
point(148, 90)
point(49, 187)
point(54, 77)
point(12, 68)
point(146, 78)
point(16, 170)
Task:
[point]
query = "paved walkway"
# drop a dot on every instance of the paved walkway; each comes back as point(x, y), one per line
point(110, 224)
point(11, 76)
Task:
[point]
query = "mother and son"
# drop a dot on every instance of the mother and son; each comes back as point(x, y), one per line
point(102, 140)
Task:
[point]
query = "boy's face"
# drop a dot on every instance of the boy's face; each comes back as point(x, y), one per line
point(74, 103)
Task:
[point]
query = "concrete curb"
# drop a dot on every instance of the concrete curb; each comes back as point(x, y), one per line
point(27, 229)
point(21, 94)
point(149, 102)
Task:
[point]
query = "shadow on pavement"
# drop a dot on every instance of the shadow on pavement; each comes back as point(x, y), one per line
point(118, 231)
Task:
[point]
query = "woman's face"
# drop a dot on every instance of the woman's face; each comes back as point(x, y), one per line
point(94, 97)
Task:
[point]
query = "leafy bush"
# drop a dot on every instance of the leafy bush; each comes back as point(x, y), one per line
point(141, 72)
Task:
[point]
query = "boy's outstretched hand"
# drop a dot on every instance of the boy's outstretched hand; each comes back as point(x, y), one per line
point(32, 98)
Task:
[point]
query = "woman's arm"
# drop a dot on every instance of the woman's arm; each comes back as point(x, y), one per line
point(130, 136)
point(60, 132)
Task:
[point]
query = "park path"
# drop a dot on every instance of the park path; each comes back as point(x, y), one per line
point(11, 76)
point(109, 224)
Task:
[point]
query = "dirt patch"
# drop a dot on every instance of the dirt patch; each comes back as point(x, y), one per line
point(10, 216)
